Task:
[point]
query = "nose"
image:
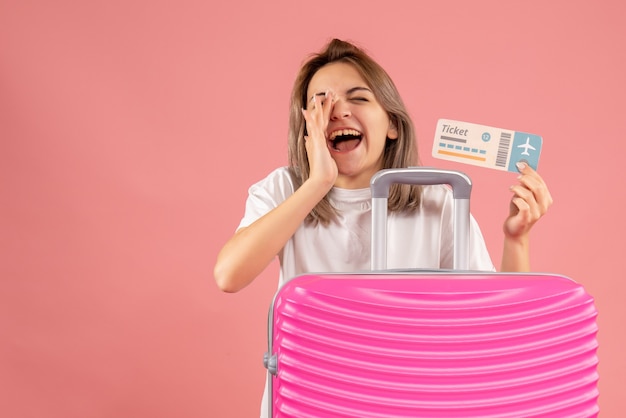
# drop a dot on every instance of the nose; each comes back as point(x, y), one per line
point(340, 110)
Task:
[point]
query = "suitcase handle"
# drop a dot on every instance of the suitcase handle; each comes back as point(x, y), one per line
point(461, 190)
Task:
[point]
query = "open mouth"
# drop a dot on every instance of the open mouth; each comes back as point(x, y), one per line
point(345, 139)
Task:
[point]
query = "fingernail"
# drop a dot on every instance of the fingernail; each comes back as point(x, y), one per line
point(520, 165)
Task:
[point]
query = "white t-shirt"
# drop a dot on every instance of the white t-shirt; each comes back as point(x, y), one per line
point(422, 240)
point(419, 240)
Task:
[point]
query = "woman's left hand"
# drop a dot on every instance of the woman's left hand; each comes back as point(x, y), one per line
point(531, 200)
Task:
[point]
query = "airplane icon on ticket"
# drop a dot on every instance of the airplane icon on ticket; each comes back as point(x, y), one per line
point(526, 146)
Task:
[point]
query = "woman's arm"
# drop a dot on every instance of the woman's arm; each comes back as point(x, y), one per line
point(251, 249)
point(531, 200)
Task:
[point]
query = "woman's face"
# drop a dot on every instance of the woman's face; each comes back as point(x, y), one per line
point(358, 126)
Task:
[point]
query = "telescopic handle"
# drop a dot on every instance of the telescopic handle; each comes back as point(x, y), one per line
point(461, 191)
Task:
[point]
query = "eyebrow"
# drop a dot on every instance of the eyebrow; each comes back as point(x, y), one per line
point(355, 89)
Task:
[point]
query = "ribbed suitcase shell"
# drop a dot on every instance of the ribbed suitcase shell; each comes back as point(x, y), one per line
point(433, 345)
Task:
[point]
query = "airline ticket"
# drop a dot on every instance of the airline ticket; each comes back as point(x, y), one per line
point(485, 146)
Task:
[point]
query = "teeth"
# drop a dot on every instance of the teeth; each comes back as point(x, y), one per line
point(335, 134)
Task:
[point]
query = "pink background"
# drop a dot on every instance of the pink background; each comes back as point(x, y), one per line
point(130, 131)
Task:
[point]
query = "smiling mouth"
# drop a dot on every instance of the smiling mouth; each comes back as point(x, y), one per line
point(345, 140)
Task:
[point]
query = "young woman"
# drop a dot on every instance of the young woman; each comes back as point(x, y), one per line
point(347, 122)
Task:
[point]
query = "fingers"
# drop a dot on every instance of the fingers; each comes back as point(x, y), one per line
point(528, 209)
point(317, 113)
point(322, 100)
point(533, 190)
point(317, 116)
point(531, 200)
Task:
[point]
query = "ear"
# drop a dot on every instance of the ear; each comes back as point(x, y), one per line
point(392, 132)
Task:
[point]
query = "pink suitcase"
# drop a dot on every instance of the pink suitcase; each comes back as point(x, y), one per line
point(456, 343)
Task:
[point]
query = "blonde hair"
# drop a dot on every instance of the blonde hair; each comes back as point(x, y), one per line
point(401, 152)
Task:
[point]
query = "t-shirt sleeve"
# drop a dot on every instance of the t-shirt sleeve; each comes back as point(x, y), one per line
point(266, 195)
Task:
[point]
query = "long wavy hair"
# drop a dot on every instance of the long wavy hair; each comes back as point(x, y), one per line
point(401, 152)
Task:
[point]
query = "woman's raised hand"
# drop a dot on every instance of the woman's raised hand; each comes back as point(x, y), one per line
point(531, 200)
point(317, 115)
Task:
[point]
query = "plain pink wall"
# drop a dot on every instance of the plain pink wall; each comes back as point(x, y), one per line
point(130, 131)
